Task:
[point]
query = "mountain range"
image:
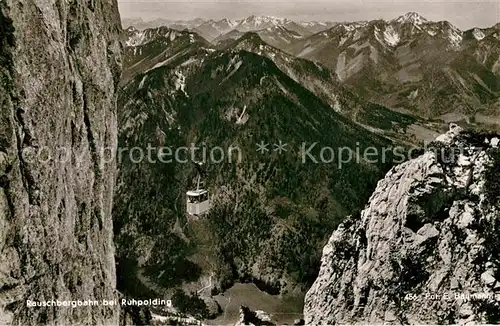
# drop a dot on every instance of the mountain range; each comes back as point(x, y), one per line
point(409, 64)
point(431, 69)
point(210, 29)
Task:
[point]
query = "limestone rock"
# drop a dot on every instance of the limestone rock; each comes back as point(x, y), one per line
point(423, 251)
point(60, 63)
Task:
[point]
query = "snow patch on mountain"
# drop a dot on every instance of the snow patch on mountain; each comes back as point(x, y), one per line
point(160, 64)
point(478, 34)
point(234, 64)
point(237, 115)
point(277, 35)
point(311, 24)
point(138, 38)
point(413, 18)
point(343, 39)
point(221, 26)
point(180, 82)
point(391, 36)
point(237, 66)
point(136, 49)
point(455, 37)
point(413, 95)
point(260, 22)
point(141, 84)
point(336, 104)
point(231, 23)
point(357, 35)
point(388, 37)
point(349, 27)
point(243, 118)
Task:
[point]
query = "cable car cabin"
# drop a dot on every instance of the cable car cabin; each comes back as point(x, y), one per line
point(198, 202)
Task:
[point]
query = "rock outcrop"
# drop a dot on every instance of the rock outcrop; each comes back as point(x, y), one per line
point(60, 62)
point(425, 249)
point(249, 317)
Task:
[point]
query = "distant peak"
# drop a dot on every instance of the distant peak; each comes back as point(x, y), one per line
point(411, 17)
point(266, 19)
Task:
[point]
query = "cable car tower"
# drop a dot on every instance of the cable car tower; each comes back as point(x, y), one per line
point(198, 200)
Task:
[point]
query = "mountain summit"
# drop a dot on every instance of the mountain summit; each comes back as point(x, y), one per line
point(412, 17)
point(259, 20)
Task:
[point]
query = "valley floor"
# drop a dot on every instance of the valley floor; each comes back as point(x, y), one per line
point(281, 309)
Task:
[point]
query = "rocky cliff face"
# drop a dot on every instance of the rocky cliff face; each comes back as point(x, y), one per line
point(425, 249)
point(59, 66)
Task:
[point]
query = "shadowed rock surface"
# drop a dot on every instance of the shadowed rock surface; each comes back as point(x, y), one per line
point(60, 62)
point(430, 228)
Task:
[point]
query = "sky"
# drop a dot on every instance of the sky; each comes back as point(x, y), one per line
point(463, 14)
